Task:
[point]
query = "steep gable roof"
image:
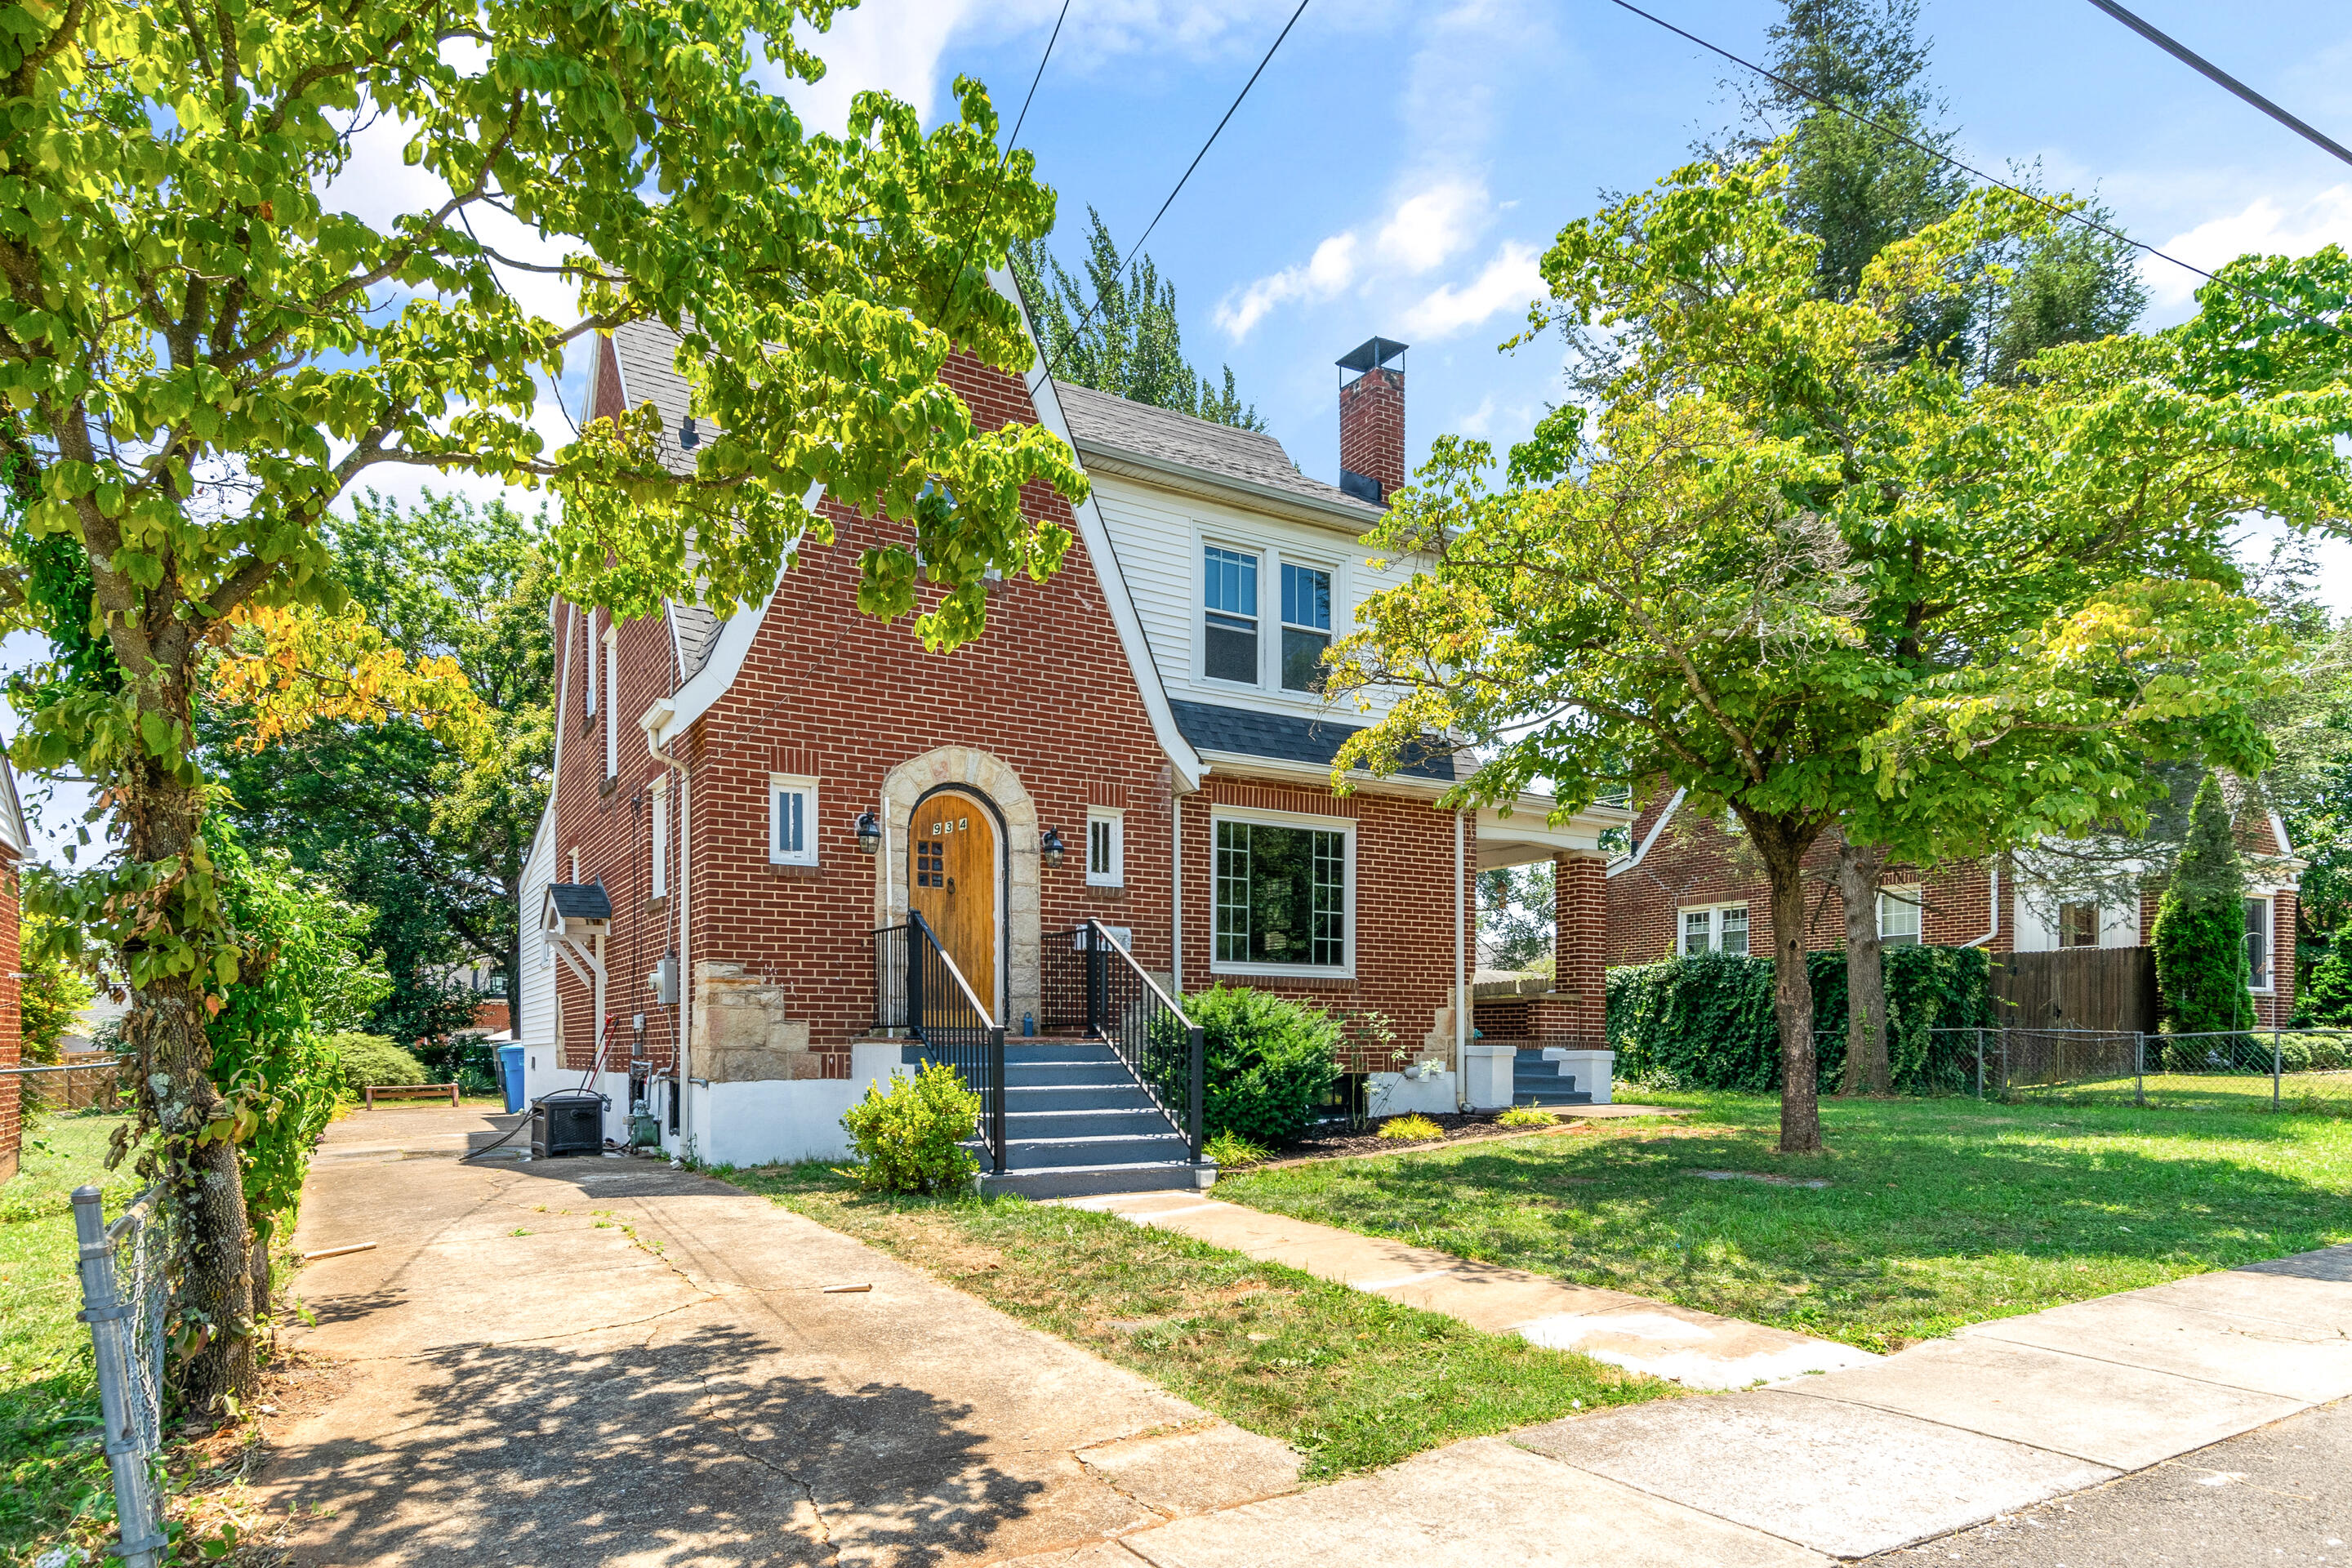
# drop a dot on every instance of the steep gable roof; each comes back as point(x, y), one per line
point(1104, 427)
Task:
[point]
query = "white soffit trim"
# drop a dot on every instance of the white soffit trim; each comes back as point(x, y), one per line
point(1049, 406)
point(1248, 764)
point(12, 823)
point(1627, 863)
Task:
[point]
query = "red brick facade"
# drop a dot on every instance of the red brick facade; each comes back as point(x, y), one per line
point(1694, 864)
point(827, 693)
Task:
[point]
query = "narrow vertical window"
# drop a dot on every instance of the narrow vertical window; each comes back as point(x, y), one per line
point(1305, 627)
point(2258, 944)
point(612, 705)
point(1733, 924)
point(1698, 932)
point(661, 839)
point(791, 821)
point(1898, 917)
point(588, 660)
point(1229, 649)
point(1104, 851)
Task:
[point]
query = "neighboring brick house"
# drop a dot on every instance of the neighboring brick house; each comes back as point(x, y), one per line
point(15, 843)
point(1685, 887)
point(1146, 711)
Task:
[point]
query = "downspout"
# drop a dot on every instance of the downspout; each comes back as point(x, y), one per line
point(1996, 910)
point(1176, 903)
point(1461, 978)
point(682, 777)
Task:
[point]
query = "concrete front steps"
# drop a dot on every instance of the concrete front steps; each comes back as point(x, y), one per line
point(1539, 1079)
point(1077, 1123)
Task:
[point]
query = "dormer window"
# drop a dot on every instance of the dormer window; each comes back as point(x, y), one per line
point(1230, 615)
point(1305, 627)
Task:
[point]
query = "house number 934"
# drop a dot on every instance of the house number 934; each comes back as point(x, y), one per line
point(961, 825)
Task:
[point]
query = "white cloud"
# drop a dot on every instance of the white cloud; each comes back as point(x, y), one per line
point(2264, 226)
point(1428, 229)
point(1321, 277)
point(1509, 282)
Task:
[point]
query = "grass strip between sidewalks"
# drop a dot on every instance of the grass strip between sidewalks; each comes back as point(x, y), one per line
point(1924, 1216)
point(1351, 1381)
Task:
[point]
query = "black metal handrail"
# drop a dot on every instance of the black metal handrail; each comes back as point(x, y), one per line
point(918, 988)
point(1091, 983)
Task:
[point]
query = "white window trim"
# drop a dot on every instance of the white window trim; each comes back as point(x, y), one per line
point(1200, 612)
point(1714, 913)
point(1343, 825)
point(1271, 556)
point(588, 652)
point(1116, 877)
point(777, 785)
point(612, 702)
point(659, 883)
point(1283, 623)
point(2268, 900)
point(1913, 894)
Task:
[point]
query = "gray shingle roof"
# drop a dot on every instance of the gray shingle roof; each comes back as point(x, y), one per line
point(645, 351)
point(581, 901)
point(1111, 425)
point(1286, 737)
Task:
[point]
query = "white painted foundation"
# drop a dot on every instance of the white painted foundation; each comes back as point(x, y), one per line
point(1487, 1076)
point(778, 1120)
point(1395, 1093)
point(1591, 1069)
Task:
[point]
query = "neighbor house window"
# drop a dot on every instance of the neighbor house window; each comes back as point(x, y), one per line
point(1282, 895)
point(661, 839)
point(791, 821)
point(1305, 627)
point(1898, 917)
point(612, 705)
point(1722, 928)
point(1229, 647)
point(2078, 925)
point(1104, 849)
point(2258, 944)
point(588, 658)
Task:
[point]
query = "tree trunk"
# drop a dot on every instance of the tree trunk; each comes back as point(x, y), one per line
point(1866, 1067)
point(1782, 848)
point(163, 812)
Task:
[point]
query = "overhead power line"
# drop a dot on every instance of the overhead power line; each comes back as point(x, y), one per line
point(1137, 248)
point(2204, 66)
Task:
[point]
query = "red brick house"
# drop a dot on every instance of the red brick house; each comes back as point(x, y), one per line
point(1137, 741)
point(15, 843)
point(1684, 888)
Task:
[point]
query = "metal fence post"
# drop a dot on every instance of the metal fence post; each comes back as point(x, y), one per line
point(1198, 1043)
point(105, 1311)
point(2275, 1064)
point(1979, 1061)
point(2139, 1067)
point(996, 1095)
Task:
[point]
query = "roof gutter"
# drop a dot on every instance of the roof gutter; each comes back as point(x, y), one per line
point(1356, 521)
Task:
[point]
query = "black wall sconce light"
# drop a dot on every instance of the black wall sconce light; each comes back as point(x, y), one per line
point(1050, 848)
point(869, 834)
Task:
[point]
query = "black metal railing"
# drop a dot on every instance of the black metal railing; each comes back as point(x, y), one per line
point(1088, 982)
point(918, 988)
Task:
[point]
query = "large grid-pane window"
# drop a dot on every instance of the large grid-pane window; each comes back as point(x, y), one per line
point(1229, 596)
point(2258, 944)
point(1282, 895)
point(1305, 627)
point(1720, 929)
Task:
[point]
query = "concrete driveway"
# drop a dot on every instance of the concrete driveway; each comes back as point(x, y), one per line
point(607, 1361)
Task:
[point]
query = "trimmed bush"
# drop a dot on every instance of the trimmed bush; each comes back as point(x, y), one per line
point(2200, 927)
point(1706, 1021)
point(1230, 1152)
point(1412, 1127)
point(911, 1140)
point(1526, 1116)
point(1271, 1062)
point(372, 1061)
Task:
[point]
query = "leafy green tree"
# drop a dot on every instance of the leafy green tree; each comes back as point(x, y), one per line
point(1516, 912)
point(1813, 580)
point(203, 358)
point(2201, 926)
point(427, 828)
point(52, 992)
point(1120, 334)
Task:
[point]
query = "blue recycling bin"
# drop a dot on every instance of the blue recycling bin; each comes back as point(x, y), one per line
point(510, 1070)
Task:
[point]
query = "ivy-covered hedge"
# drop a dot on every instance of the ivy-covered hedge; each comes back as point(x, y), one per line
point(1706, 1022)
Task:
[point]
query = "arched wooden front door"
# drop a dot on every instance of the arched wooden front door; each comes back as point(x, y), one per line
point(952, 880)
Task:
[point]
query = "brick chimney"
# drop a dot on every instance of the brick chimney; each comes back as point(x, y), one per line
point(1371, 421)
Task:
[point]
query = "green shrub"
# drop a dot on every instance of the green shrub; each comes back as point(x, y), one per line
point(1706, 1022)
point(1526, 1116)
point(2201, 926)
point(1412, 1127)
point(371, 1061)
point(2325, 1000)
point(1270, 1062)
point(911, 1140)
point(1231, 1152)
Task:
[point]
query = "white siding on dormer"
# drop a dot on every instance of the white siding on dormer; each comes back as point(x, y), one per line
point(1160, 535)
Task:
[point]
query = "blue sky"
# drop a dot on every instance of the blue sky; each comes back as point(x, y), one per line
point(1399, 167)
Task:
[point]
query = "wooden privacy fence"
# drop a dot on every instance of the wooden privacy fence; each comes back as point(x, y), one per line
point(2110, 989)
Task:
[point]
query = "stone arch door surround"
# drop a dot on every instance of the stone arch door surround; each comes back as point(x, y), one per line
point(983, 773)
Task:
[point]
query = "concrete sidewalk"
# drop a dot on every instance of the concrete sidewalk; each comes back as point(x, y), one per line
point(607, 1361)
point(1698, 1350)
point(1946, 1435)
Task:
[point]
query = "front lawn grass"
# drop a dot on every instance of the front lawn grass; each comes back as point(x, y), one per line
point(52, 1460)
point(1351, 1381)
point(1937, 1213)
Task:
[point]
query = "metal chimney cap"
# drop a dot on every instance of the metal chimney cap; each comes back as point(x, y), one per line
point(1370, 354)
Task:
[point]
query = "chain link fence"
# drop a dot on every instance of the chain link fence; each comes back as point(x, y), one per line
point(2246, 1069)
point(91, 1084)
point(126, 1290)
